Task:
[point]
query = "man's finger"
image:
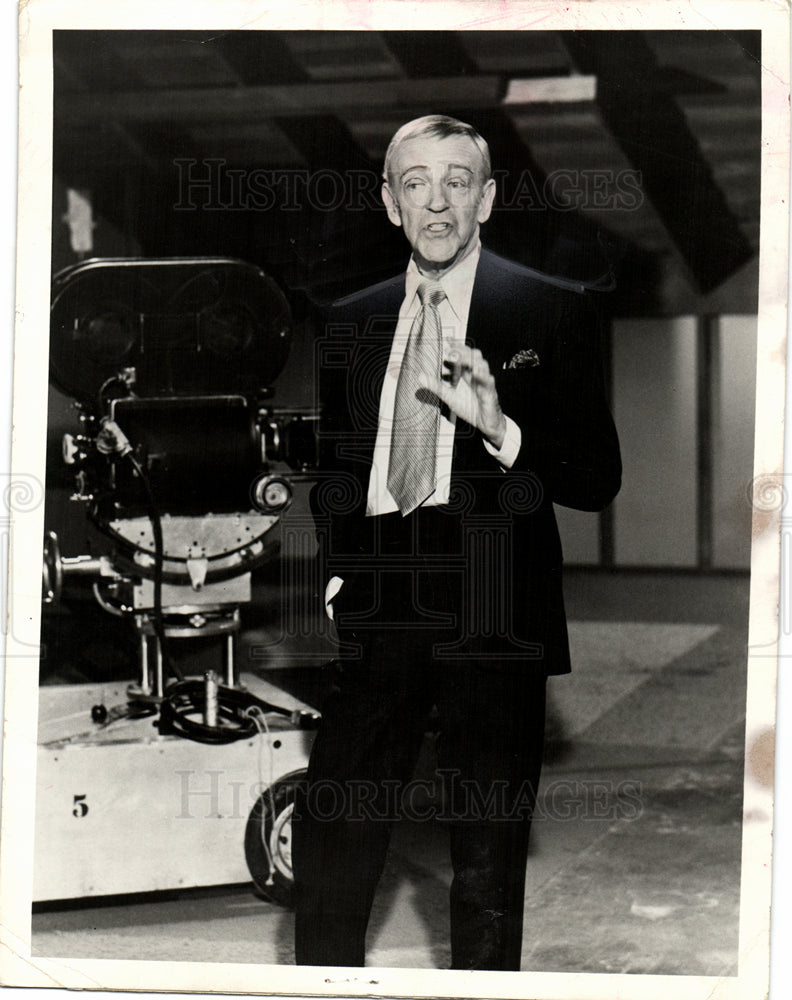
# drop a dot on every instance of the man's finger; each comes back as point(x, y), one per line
point(459, 361)
point(442, 389)
point(480, 371)
point(460, 351)
point(455, 368)
point(458, 401)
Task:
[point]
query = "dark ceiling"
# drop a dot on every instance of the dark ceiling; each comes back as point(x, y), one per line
point(637, 152)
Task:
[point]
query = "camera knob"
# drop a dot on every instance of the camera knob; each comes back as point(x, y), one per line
point(271, 494)
point(71, 451)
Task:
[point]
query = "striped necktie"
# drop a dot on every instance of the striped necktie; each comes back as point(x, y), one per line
point(412, 476)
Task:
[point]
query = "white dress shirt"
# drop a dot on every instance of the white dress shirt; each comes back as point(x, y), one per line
point(457, 283)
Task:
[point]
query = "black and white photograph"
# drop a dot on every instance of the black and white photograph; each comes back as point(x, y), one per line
point(397, 514)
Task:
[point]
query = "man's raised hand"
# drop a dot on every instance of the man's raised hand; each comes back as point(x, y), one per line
point(468, 390)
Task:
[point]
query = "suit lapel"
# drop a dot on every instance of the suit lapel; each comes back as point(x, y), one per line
point(485, 308)
point(378, 316)
point(505, 313)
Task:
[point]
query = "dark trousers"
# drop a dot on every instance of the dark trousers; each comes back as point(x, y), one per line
point(489, 750)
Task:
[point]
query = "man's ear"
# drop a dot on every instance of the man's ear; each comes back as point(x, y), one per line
point(487, 198)
point(394, 213)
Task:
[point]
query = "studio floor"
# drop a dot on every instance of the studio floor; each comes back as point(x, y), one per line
point(635, 859)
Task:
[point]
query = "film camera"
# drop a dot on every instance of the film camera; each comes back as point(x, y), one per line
point(179, 463)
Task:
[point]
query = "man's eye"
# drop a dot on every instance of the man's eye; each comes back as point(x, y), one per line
point(411, 185)
point(457, 184)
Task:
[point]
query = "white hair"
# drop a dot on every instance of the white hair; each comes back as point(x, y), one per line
point(439, 126)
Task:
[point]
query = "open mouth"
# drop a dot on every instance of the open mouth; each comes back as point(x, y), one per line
point(438, 227)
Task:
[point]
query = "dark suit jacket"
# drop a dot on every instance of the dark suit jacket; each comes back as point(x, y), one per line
point(540, 337)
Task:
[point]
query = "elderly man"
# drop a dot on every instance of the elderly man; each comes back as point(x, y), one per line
point(468, 399)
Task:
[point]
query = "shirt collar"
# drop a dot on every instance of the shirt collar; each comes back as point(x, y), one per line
point(457, 282)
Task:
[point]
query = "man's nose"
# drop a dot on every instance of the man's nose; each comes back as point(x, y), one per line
point(438, 199)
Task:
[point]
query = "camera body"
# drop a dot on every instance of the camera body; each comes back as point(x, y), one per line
point(180, 459)
point(185, 468)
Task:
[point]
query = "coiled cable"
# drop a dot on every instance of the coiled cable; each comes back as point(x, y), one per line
point(186, 700)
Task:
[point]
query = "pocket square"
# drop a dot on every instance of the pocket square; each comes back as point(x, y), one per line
point(523, 359)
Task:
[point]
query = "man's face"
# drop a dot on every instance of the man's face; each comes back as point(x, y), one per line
point(437, 193)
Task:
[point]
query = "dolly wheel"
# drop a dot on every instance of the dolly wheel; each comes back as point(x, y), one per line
point(268, 839)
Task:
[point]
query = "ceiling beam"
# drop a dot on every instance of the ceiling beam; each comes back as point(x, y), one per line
point(325, 142)
point(251, 103)
point(259, 57)
point(430, 53)
point(652, 131)
point(256, 102)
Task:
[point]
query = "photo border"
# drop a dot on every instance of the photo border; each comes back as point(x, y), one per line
point(25, 512)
